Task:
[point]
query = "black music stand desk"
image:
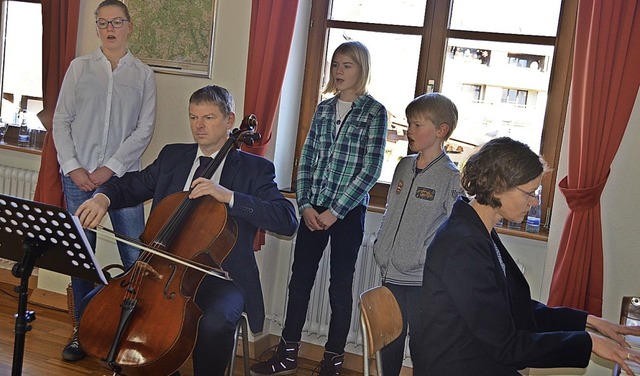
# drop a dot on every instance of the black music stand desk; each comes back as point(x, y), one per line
point(45, 236)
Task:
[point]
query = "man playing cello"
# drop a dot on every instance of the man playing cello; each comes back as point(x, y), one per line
point(245, 183)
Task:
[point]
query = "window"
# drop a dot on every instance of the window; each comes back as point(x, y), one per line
point(473, 93)
point(514, 96)
point(21, 61)
point(506, 69)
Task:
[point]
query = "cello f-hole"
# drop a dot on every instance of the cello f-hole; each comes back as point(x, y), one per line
point(167, 294)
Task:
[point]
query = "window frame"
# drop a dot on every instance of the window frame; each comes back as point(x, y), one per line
point(23, 101)
point(434, 35)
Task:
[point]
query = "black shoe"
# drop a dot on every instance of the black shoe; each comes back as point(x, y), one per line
point(73, 352)
point(283, 362)
point(331, 364)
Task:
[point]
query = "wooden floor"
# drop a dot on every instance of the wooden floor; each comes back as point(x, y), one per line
point(50, 333)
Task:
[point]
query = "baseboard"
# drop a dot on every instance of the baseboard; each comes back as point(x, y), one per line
point(49, 299)
point(6, 276)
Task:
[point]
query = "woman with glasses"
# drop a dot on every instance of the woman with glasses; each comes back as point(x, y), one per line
point(102, 124)
point(476, 308)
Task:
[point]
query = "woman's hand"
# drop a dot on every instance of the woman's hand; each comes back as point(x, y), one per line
point(615, 332)
point(611, 350)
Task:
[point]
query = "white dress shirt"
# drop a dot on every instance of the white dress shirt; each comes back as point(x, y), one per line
point(104, 117)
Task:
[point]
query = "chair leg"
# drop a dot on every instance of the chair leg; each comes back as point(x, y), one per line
point(234, 349)
point(241, 330)
point(365, 346)
point(379, 363)
point(245, 345)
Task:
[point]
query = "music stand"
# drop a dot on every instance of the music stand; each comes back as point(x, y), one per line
point(40, 235)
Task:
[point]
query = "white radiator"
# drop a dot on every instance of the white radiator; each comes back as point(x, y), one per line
point(18, 182)
point(367, 275)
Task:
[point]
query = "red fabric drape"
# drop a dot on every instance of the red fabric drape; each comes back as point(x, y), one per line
point(59, 34)
point(272, 24)
point(604, 86)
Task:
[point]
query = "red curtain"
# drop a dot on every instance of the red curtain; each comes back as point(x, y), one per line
point(272, 24)
point(59, 34)
point(604, 86)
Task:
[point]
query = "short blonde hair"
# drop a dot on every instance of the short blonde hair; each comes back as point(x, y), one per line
point(359, 53)
point(435, 107)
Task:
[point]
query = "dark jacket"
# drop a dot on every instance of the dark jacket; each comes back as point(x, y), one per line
point(257, 204)
point(476, 321)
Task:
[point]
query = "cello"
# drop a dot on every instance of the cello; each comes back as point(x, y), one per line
point(154, 331)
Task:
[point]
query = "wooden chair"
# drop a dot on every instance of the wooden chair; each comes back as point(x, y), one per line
point(381, 323)
point(629, 315)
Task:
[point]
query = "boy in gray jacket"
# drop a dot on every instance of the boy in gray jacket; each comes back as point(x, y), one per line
point(424, 187)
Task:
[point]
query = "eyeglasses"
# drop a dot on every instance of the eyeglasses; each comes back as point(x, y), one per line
point(116, 23)
point(534, 195)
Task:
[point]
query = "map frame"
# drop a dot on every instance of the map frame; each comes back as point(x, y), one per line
point(162, 63)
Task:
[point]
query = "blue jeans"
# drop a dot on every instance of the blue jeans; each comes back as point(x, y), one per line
point(346, 239)
point(125, 221)
point(393, 354)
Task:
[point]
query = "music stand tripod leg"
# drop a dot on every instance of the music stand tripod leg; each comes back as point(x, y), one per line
point(32, 251)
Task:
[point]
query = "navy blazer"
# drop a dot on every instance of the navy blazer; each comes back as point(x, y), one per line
point(257, 204)
point(476, 321)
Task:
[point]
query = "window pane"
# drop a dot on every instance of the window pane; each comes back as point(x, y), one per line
point(500, 89)
point(396, 12)
point(539, 17)
point(394, 63)
point(22, 78)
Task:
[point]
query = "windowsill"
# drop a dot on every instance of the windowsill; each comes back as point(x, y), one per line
point(376, 207)
point(11, 142)
point(542, 236)
point(9, 146)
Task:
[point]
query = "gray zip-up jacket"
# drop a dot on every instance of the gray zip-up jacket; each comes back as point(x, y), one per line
point(417, 203)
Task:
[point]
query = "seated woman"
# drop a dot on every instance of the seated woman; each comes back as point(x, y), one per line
point(477, 311)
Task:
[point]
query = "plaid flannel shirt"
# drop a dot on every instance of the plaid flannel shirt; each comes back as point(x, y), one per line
point(337, 171)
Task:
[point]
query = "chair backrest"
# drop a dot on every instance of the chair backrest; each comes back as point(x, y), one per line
point(630, 310)
point(381, 319)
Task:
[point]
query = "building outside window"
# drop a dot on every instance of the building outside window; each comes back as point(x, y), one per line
point(21, 61)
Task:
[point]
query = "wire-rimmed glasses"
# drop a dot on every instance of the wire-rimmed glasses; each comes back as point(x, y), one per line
point(534, 195)
point(116, 23)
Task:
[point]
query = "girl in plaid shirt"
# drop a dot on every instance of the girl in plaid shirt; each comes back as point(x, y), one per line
point(341, 160)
